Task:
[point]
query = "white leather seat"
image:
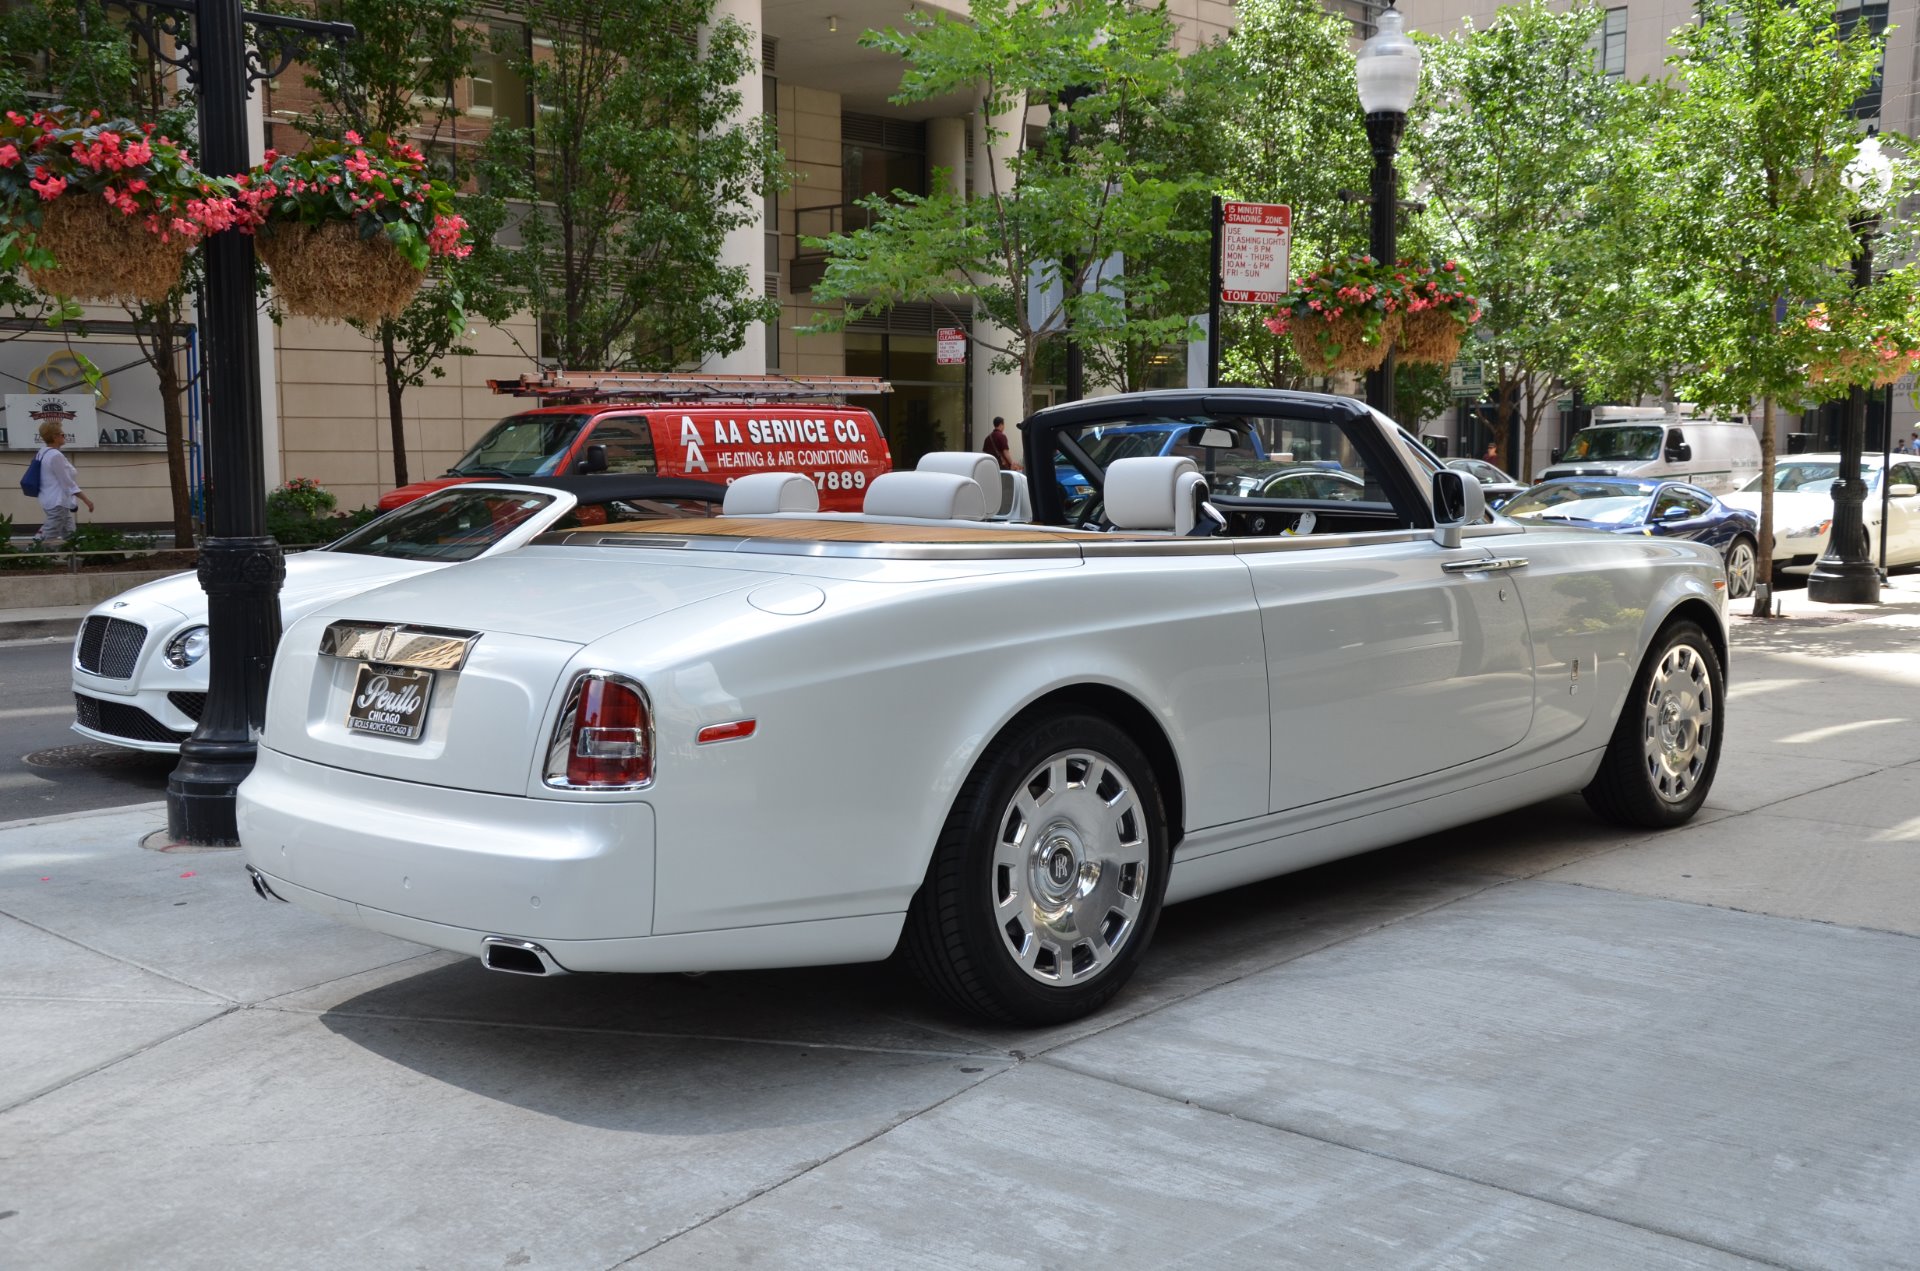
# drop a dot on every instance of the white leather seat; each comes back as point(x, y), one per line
point(1154, 493)
point(965, 463)
point(925, 496)
point(1016, 504)
point(770, 493)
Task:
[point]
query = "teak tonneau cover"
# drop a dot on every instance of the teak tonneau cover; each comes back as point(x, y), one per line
point(833, 531)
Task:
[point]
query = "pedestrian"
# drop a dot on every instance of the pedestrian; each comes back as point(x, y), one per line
point(1913, 443)
point(998, 446)
point(1492, 455)
point(59, 487)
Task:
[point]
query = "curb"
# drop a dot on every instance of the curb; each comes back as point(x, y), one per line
point(39, 628)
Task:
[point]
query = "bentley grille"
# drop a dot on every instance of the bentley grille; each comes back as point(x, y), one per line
point(110, 646)
point(118, 719)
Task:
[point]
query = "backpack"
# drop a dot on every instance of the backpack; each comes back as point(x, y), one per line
point(30, 479)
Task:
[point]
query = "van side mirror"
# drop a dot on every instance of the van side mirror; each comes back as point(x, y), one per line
point(1679, 452)
point(595, 460)
point(1553, 456)
point(1458, 501)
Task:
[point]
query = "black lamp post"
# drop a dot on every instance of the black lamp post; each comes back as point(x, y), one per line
point(241, 567)
point(1845, 572)
point(1388, 72)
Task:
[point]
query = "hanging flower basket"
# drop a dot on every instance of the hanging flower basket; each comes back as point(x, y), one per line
point(1342, 317)
point(1851, 346)
point(1439, 312)
point(102, 209)
point(329, 272)
point(348, 229)
point(1346, 342)
point(99, 254)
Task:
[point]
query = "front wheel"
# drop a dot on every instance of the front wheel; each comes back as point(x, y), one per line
point(1045, 886)
point(1742, 568)
point(1665, 747)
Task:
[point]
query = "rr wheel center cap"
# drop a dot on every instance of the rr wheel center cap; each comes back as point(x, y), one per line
point(1057, 865)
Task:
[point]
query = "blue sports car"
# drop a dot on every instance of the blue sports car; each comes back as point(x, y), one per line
point(1632, 505)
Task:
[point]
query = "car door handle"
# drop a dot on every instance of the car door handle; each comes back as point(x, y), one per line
point(1498, 564)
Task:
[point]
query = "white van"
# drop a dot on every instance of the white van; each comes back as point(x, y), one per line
point(1631, 441)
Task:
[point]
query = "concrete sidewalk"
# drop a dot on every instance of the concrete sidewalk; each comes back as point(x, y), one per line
point(1533, 1042)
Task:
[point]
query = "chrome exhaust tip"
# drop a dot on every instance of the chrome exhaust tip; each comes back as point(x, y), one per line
point(517, 957)
point(261, 887)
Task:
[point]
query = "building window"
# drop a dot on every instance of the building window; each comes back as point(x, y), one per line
point(879, 156)
point(1610, 44)
point(1873, 14)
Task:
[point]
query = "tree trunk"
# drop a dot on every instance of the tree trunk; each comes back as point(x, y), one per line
point(1763, 568)
point(396, 418)
point(158, 333)
point(1505, 391)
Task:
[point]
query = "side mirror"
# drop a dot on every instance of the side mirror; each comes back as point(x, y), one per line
point(1902, 490)
point(1553, 456)
point(1674, 514)
point(1458, 501)
point(1679, 452)
point(595, 460)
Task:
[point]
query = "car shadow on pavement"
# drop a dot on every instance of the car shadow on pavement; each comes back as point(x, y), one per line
point(646, 1053)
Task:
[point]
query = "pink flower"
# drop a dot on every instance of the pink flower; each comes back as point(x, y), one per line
point(353, 138)
point(48, 185)
point(9, 154)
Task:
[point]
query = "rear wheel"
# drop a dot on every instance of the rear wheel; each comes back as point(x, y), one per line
point(1665, 748)
point(1046, 883)
point(1742, 568)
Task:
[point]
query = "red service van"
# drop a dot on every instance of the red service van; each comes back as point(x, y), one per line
point(840, 447)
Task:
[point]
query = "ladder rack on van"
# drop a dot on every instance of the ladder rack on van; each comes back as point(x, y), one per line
point(674, 386)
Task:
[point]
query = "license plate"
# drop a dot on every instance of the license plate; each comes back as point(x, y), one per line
point(390, 701)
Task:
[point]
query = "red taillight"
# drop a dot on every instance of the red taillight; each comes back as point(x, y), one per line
point(609, 738)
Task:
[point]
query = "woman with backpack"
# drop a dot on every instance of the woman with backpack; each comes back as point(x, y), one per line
point(59, 486)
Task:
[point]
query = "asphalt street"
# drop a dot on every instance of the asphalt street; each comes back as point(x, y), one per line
point(46, 768)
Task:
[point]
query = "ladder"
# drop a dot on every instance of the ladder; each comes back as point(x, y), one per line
point(691, 386)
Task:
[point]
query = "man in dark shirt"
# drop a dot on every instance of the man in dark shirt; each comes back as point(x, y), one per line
point(998, 446)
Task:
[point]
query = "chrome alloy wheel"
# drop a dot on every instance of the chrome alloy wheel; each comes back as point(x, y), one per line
point(1741, 568)
point(1677, 728)
point(1070, 867)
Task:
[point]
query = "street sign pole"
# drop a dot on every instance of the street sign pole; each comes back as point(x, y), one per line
point(1213, 303)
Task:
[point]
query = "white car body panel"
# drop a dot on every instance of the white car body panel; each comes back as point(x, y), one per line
point(1318, 696)
point(1801, 509)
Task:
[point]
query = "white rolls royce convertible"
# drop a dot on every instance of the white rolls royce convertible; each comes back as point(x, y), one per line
point(993, 728)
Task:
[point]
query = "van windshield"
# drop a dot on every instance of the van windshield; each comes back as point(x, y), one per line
point(1616, 443)
point(522, 446)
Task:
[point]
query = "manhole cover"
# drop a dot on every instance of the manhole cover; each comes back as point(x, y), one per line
point(97, 756)
point(162, 841)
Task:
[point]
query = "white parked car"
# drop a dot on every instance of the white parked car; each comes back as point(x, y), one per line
point(139, 662)
point(1803, 508)
point(780, 737)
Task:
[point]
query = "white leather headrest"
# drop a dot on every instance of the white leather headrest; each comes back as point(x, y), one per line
point(1015, 503)
point(1157, 492)
point(964, 463)
point(933, 496)
point(765, 493)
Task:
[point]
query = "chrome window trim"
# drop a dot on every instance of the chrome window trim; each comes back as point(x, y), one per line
point(560, 744)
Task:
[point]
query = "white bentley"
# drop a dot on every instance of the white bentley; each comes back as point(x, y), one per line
point(139, 670)
point(993, 738)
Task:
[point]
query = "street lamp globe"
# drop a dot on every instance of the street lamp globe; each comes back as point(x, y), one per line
point(1388, 67)
point(1870, 174)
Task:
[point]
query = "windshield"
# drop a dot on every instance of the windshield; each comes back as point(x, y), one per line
point(1597, 503)
point(1615, 443)
point(448, 525)
point(522, 446)
point(1810, 476)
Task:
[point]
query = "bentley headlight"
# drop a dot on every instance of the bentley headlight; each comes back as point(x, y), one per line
point(187, 648)
point(1809, 531)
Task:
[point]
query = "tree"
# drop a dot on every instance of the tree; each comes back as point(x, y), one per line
point(1294, 136)
point(392, 79)
point(1512, 136)
point(1080, 190)
point(1762, 138)
point(633, 173)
